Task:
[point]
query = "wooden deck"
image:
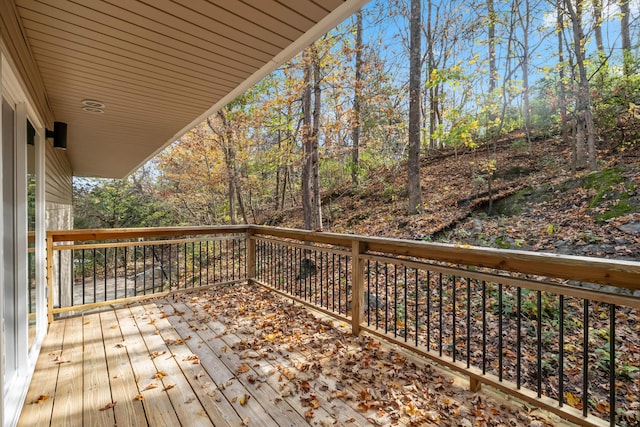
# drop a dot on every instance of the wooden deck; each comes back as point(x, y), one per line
point(202, 359)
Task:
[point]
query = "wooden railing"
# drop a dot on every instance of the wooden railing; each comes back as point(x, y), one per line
point(90, 268)
point(536, 326)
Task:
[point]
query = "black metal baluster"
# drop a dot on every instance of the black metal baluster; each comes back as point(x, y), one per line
point(233, 259)
point(612, 365)
point(170, 262)
point(95, 275)
point(200, 260)
point(417, 291)
point(135, 270)
point(144, 269)
point(519, 338)
point(115, 274)
point(368, 302)
point(500, 355)
point(453, 318)
point(377, 300)
point(428, 310)
point(561, 352)
point(186, 252)
point(105, 272)
point(386, 297)
point(60, 278)
point(153, 269)
point(539, 359)
point(484, 327)
point(126, 261)
point(406, 311)
point(395, 300)
point(315, 277)
point(83, 280)
point(226, 246)
point(440, 317)
point(321, 280)
point(193, 264)
point(585, 359)
point(177, 266)
point(340, 284)
point(469, 322)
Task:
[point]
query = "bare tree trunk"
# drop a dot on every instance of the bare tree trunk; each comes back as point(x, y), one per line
point(493, 68)
point(355, 132)
point(583, 110)
point(315, 161)
point(525, 72)
point(307, 146)
point(413, 161)
point(433, 102)
point(311, 123)
point(564, 126)
point(626, 38)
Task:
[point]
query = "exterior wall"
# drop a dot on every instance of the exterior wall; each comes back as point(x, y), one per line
point(20, 80)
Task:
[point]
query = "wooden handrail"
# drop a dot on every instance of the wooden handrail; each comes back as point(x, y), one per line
point(622, 274)
point(618, 273)
point(131, 233)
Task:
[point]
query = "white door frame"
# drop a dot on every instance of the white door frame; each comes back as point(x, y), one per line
point(13, 390)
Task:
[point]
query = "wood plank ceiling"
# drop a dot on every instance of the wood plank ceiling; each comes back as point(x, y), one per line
point(159, 67)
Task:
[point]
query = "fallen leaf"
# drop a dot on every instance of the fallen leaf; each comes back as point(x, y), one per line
point(108, 406)
point(160, 375)
point(150, 386)
point(244, 399)
point(138, 397)
point(246, 421)
point(168, 387)
point(242, 369)
point(41, 398)
point(309, 414)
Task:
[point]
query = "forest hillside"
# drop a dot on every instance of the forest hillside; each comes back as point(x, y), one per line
point(535, 203)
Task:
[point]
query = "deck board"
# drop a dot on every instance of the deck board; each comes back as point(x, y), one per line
point(283, 414)
point(67, 405)
point(156, 403)
point(168, 375)
point(221, 368)
point(39, 401)
point(97, 401)
point(128, 411)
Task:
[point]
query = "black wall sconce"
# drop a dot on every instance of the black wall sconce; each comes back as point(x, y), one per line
point(59, 135)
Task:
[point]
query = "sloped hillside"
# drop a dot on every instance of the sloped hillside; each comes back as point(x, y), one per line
point(532, 201)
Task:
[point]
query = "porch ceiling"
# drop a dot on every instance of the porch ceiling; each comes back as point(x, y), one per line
point(159, 66)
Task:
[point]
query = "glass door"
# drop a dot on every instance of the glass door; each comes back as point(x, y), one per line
point(9, 242)
point(31, 232)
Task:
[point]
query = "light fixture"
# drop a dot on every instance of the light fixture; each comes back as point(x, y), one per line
point(93, 106)
point(59, 135)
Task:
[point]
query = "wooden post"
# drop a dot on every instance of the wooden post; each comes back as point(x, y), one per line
point(49, 242)
point(251, 257)
point(474, 384)
point(357, 292)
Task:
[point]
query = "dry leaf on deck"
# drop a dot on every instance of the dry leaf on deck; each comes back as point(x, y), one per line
point(242, 369)
point(41, 398)
point(150, 386)
point(139, 397)
point(168, 387)
point(244, 399)
point(108, 406)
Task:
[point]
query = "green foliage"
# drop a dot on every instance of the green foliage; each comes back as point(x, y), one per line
point(113, 203)
point(603, 182)
point(619, 209)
